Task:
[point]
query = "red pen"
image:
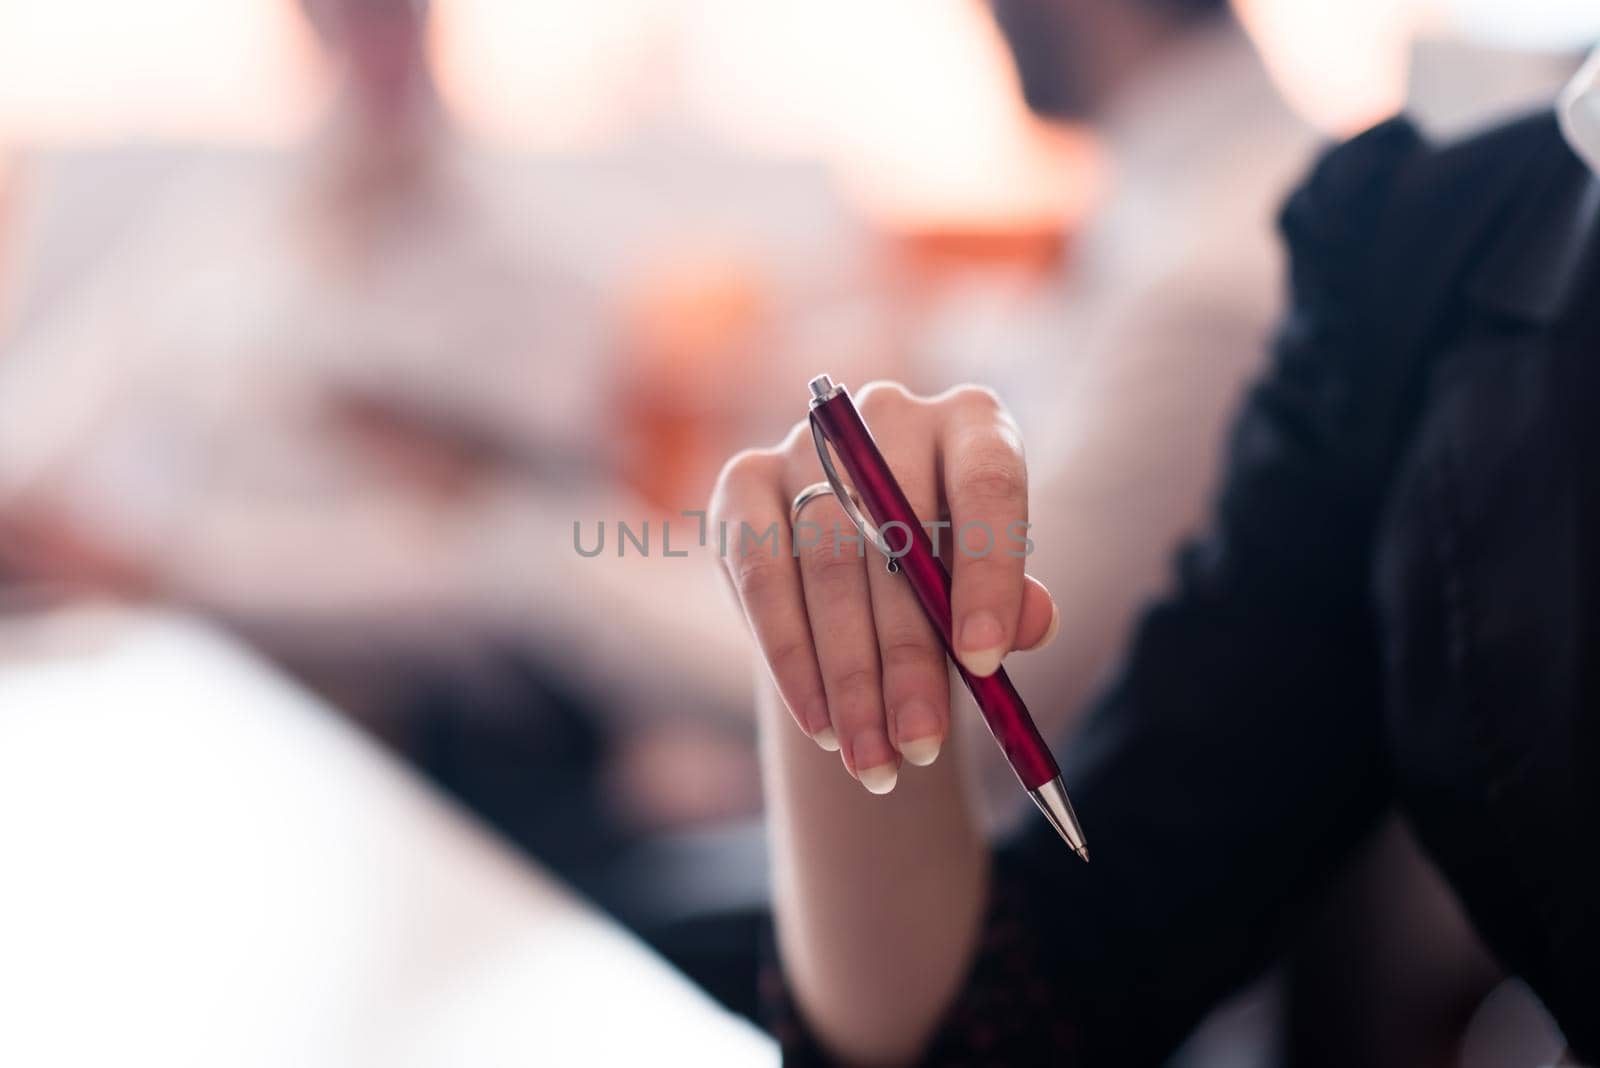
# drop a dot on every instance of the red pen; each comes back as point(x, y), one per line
point(885, 518)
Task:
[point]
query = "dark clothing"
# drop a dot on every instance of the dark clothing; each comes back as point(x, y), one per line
point(1395, 606)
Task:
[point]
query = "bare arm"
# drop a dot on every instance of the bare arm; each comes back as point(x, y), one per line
point(878, 899)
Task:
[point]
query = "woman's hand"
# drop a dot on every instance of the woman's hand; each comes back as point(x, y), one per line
point(852, 655)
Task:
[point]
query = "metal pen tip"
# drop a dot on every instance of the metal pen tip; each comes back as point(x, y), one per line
point(1052, 801)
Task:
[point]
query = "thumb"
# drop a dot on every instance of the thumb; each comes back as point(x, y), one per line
point(1039, 620)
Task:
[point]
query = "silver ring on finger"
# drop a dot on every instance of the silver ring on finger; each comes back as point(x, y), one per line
point(852, 509)
point(805, 497)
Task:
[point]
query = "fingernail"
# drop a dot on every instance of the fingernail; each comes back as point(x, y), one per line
point(879, 780)
point(827, 739)
point(921, 751)
point(918, 732)
point(1050, 631)
point(982, 643)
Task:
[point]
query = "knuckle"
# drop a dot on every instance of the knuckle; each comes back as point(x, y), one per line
point(974, 397)
point(792, 659)
point(981, 407)
point(908, 652)
point(977, 558)
point(747, 465)
point(829, 560)
point(885, 398)
point(758, 577)
point(992, 478)
point(854, 680)
point(797, 444)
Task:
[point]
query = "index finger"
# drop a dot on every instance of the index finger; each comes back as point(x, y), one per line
point(985, 481)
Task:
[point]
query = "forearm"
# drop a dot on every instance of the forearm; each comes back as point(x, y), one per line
point(879, 900)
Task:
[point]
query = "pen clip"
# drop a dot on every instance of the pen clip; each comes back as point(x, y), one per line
point(848, 499)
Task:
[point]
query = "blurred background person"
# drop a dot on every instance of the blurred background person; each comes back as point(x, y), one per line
point(353, 398)
point(342, 400)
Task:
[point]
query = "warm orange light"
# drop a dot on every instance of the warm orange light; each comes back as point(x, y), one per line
point(554, 74)
point(1342, 65)
point(915, 101)
point(98, 69)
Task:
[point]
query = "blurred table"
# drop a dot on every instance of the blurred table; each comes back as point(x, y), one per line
point(201, 865)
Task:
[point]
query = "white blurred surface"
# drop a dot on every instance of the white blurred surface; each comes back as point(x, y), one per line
point(1534, 24)
point(202, 866)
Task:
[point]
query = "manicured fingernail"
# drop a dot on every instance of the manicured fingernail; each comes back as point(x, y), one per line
point(827, 739)
point(982, 643)
point(1050, 631)
point(879, 780)
point(873, 761)
point(917, 729)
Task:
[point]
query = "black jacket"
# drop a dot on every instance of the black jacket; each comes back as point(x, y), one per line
point(1397, 605)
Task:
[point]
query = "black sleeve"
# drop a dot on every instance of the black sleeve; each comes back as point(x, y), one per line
point(1237, 758)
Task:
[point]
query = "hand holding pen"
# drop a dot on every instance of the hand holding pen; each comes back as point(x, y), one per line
point(856, 647)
